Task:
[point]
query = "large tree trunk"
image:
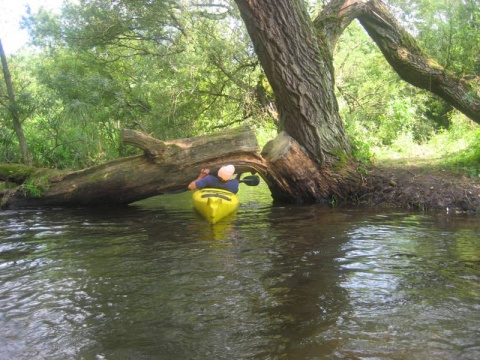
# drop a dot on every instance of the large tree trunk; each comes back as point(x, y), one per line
point(300, 73)
point(294, 177)
point(300, 70)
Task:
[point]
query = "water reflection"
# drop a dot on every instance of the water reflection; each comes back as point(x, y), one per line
point(302, 283)
point(154, 281)
point(406, 288)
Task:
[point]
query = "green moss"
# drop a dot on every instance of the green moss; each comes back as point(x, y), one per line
point(31, 190)
point(35, 182)
point(342, 157)
point(6, 185)
point(36, 185)
point(15, 172)
point(4, 201)
point(433, 64)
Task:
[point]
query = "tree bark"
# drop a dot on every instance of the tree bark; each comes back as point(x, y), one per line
point(300, 73)
point(299, 68)
point(334, 18)
point(13, 108)
point(294, 177)
point(164, 167)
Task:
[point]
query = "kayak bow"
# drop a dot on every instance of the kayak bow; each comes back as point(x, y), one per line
point(214, 204)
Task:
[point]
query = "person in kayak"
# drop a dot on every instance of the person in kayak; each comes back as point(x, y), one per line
point(223, 180)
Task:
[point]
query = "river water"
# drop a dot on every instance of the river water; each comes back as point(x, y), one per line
point(155, 281)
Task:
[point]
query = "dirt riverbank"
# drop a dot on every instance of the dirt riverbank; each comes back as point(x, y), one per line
point(418, 185)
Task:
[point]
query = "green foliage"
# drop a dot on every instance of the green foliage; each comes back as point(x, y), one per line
point(9, 149)
point(17, 109)
point(34, 181)
point(385, 116)
point(171, 69)
point(265, 131)
point(177, 69)
point(38, 182)
point(376, 105)
point(163, 68)
point(461, 146)
point(32, 191)
point(456, 149)
point(15, 172)
point(402, 117)
point(448, 30)
point(361, 150)
point(333, 201)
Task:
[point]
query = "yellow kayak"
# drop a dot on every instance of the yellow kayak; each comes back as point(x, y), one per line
point(214, 204)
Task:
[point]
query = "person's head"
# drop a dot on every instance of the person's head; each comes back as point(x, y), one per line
point(226, 172)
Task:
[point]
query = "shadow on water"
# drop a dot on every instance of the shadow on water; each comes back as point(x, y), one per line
point(156, 281)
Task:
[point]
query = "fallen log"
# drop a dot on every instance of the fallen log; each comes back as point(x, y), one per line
point(165, 166)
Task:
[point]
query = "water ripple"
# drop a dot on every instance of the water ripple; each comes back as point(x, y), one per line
point(272, 282)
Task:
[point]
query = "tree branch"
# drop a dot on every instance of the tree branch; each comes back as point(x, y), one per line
point(400, 50)
point(409, 61)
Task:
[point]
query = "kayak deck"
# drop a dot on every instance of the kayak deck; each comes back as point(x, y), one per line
point(214, 204)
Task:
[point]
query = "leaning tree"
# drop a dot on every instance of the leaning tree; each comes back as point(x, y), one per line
point(310, 160)
point(297, 56)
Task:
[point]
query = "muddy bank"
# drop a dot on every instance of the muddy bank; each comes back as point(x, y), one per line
point(420, 188)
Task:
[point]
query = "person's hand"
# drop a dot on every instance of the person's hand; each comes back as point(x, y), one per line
point(204, 173)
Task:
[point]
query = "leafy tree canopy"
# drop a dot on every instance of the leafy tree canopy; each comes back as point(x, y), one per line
point(182, 68)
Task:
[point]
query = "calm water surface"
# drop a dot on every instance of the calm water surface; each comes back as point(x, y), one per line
point(155, 281)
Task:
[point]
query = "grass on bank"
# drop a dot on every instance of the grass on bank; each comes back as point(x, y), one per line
point(456, 149)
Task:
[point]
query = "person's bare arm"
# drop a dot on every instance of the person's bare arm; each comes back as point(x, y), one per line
point(203, 173)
